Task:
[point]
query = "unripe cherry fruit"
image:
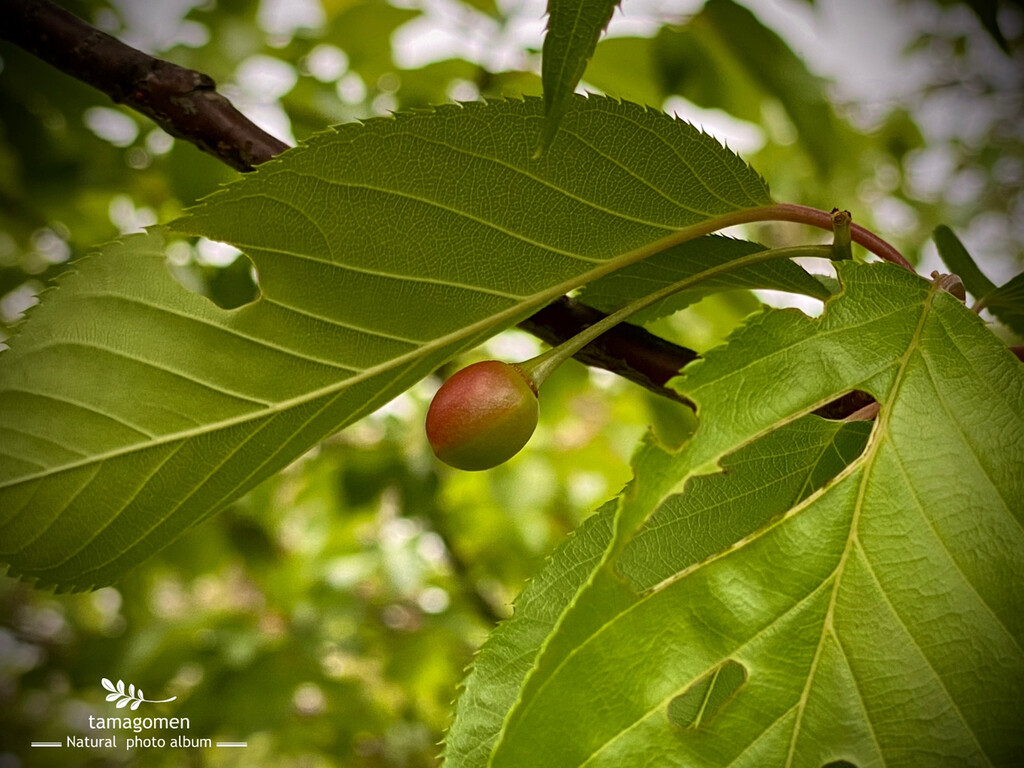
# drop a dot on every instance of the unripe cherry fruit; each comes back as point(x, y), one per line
point(482, 415)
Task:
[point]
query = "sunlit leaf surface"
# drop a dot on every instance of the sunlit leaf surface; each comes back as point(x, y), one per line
point(877, 620)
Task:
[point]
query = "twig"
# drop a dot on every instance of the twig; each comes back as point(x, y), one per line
point(181, 101)
point(628, 350)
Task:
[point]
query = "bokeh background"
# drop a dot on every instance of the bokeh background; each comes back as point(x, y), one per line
point(327, 617)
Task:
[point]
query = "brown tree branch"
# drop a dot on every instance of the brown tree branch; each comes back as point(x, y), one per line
point(626, 349)
point(183, 102)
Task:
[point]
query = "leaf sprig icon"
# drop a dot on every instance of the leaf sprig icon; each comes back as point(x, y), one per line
point(131, 696)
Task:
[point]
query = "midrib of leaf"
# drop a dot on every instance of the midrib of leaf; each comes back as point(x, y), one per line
point(558, 89)
point(572, 34)
point(536, 300)
point(880, 434)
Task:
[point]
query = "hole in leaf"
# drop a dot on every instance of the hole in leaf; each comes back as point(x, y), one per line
point(233, 286)
point(699, 703)
point(227, 278)
point(839, 764)
point(846, 405)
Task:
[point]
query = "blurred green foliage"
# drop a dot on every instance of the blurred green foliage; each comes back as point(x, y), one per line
point(327, 617)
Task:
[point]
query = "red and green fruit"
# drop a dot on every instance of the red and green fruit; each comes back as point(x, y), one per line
point(482, 416)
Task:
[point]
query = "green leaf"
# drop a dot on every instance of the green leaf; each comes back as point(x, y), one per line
point(131, 409)
point(955, 256)
point(508, 657)
point(771, 63)
point(1007, 303)
point(877, 620)
point(725, 58)
point(687, 259)
point(574, 27)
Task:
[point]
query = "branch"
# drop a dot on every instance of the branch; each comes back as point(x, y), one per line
point(181, 101)
point(626, 349)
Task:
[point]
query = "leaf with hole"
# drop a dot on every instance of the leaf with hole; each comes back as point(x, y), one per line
point(131, 409)
point(761, 481)
point(878, 618)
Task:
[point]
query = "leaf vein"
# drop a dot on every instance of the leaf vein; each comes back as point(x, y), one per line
point(339, 324)
point(156, 366)
point(562, 190)
point(924, 656)
point(41, 438)
point(945, 548)
point(263, 342)
point(86, 407)
point(675, 150)
point(639, 178)
point(443, 207)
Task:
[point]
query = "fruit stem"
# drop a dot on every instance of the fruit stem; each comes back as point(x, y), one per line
point(537, 369)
